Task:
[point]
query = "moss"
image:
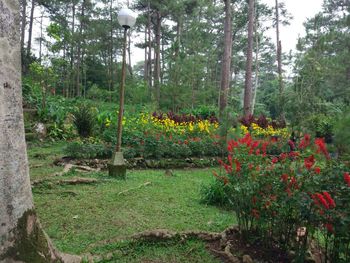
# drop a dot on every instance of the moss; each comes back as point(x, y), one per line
point(31, 243)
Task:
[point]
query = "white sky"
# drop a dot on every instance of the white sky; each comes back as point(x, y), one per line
point(299, 9)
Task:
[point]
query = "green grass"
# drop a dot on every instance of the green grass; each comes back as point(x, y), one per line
point(79, 217)
point(41, 157)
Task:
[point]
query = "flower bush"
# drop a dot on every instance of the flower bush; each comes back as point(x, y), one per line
point(275, 196)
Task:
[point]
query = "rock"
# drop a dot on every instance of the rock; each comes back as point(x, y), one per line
point(247, 259)
point(40, 129)
point(169, 173)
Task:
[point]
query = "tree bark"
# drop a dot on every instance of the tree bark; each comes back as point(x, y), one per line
point(149, 67)
point(248, 88)
point(157, 61)
point(71, 90)
point(145, 68)
point(22, 237)
point(23, 23)
point(257, 65)
point(30, 31)
point(79, 57)
point(279, 62)
point(129, 54)
point(226, 61)
point(111, 68)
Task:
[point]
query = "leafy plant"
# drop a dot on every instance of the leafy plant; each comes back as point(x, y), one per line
point(84, 120)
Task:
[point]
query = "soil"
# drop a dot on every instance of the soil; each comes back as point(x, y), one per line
point(239, 248)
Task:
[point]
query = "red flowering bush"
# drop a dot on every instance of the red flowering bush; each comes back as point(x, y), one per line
point(274, 197)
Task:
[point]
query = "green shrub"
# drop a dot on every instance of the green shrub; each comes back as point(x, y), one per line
point(84, 120)
point(341, 134)
point(321, 126)
point(88, 150)
point(214, 194)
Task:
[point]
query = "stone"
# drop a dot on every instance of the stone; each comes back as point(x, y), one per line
point(247, 259)
point(40, 130)
point(117, 166)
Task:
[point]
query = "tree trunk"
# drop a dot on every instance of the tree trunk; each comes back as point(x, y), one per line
point(82, 21)
point(248, 74)
point(30, 31)
point(257, 66)
point(111, 68)
point(41, 37)
point(71, 80)
point(226, 61)
point(23, 23)
point(129, 54)
point(149, 67)
point(157, 61)
point(22, 237)
point(279, 62)
point(145, 68)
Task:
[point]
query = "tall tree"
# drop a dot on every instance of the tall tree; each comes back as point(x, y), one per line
point(279, 59)
point(226, 60)
point(22, 237)
point(23, 22)
point(248, 87)
point(30, 30)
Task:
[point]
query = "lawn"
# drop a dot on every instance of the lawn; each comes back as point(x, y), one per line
point(80, 218)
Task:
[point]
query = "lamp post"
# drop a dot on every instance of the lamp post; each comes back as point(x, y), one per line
point(117, 166)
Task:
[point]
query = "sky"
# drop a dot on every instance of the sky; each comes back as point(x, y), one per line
point(299, 9)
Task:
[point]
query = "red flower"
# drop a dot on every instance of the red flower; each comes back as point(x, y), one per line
point(231, 145)
point(293, 183)
point(229, 158)
point(255, 213)
point(305, 142)
point(257, 152)
point(255, 144)
point(254, 200)
point(288, 191)
point(228, 168)
point(329, 227)
point(238, 165)
point(250, 166)
point(322, 200)
point(284, 177)
point(264, 147)
point(329, 199)
point(309, 162)
point(321, 147)
point(274, 160)
point(283, 156)
point(291, 145)
point(317, 170)
point(347, 178)
point(293, 154)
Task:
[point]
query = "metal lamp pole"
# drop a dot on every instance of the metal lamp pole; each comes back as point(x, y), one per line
point(117, 166)
point(121, 94)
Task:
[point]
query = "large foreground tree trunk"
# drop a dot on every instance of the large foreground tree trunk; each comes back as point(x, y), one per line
point(21, 236)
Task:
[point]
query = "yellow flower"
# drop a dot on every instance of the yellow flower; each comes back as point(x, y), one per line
point(107, 122)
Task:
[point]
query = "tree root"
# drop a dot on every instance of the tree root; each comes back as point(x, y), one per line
point(74, 181)
point(134, 188)
point(167, 235)
point(81, 168)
